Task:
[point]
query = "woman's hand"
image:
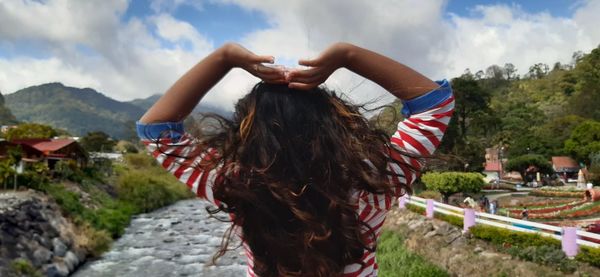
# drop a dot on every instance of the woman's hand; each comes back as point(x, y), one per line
point(321, 68)
point(238, 56)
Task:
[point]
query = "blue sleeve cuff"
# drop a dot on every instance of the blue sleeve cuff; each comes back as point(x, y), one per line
point(154, 131)
point(427, 101)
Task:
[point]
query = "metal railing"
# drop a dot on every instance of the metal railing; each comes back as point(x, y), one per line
point(583, 237)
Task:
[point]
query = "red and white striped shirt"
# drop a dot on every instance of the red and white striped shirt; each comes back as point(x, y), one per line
point(426, 119)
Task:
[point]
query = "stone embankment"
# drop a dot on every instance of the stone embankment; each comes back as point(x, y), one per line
point(33, 228)
point(461, 255)
point(178, 240)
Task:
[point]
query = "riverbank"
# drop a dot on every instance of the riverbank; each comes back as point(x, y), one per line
point(443, 244)
point(178, 240)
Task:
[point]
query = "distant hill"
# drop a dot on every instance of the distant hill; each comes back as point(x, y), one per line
point(74, 109)
point(6, 117)
point(146, 103)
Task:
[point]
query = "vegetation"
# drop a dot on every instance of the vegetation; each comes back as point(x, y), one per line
point(448, 183)
point(6, 117)
point(97, 141)
point(395, 260)
point(32, 130)
point(550, 111)
point(522, 245)
point(22, 267)
point(79, 111)
point(523, 163)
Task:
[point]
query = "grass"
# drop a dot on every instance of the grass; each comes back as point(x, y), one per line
point(395, 260)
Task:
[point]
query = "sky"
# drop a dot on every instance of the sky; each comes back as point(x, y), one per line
point(137, 48)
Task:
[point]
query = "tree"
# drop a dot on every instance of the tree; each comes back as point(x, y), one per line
point(448, 183)
point(31, 130)
point(586, 98)
point(538, 70)
point(523, 164)
point(584, 140)
point(510, 71)
point(97, 141)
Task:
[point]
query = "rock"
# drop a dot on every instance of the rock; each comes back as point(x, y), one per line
point(58, 247)
point(71, 260)
point(58, 269)
point(168, 240)
point(41, 256)
point(478, 249)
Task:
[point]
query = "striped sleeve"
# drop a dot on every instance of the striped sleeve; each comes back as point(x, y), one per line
point(178, 152)
point(420, 133)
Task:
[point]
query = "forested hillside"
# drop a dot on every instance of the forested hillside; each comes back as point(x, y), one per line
point(76, 110)
point(6, 117)
point(551, 110)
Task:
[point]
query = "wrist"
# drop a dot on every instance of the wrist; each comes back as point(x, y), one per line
point(348, 54)
point(224, 55)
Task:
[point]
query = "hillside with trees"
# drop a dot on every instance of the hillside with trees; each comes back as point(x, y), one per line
point(76, 110)
point(6, 116)
point(551, 110)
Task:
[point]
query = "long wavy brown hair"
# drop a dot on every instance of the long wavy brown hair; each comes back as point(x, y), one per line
point(291, 160)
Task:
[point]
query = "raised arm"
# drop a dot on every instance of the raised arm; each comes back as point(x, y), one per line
point(400, 80)
point(427, 105)
point(179, 101)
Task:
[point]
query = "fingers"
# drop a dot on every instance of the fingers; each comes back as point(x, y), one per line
point(302, 86)
point(263, 59)
point(307, 62)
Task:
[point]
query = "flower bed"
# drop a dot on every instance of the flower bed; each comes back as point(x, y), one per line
point(545, 203)
point(545, 210)
point(557, 193)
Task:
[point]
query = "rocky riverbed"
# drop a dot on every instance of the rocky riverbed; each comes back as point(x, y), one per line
point(32, 228)
point(178, 240)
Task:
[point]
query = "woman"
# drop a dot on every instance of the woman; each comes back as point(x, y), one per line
point(306, 180)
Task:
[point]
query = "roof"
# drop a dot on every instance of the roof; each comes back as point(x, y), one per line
point(564, 164)
point(492, 166)
point(45, 145)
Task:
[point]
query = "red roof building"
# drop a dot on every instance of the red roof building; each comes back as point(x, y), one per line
point(54, 150)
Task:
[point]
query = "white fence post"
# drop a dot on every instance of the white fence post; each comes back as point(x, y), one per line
point(469, 219)
point(569, 241)
point(402, 202)
point(429, 208)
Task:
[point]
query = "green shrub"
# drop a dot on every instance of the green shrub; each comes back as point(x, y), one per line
point(94, 241)
point(67, 200)
point(448, 183)
point(140, 160)
point(430, 194)
point(113, 219)
point(146, 191)
point(504, 237)
point(68, 170)
point(22, 267)
point(395, 260)
point(545, 254)
point(589, 255)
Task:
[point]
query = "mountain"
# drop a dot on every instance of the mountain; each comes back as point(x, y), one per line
point(146, 103)
point(6, 117)
point(76, 110)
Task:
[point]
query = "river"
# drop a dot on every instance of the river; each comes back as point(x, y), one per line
point(178, 240)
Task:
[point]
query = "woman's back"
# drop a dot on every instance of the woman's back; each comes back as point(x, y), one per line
point(306, 180)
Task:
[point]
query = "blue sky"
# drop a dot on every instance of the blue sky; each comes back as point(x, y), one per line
point(135, 48)
point(562, 8)
point(229, 22)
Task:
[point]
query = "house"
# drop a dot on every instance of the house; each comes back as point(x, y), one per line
point(493, 164)
point(28, 153)
point(54, 150)
point(565, 167)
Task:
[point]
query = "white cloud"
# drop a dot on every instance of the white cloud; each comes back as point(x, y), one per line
point(88, 43)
